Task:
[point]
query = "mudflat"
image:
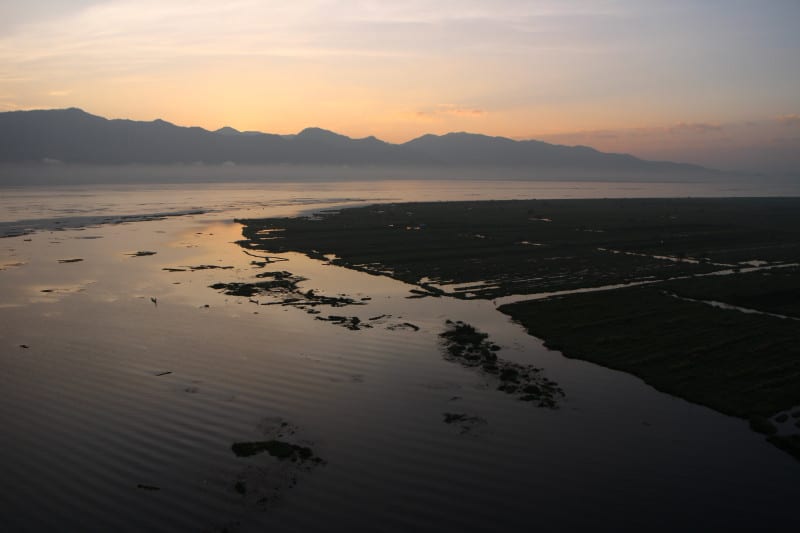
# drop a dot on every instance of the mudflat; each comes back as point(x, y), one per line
point(698, 297)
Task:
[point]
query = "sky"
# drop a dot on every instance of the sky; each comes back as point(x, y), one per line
point(713, 82)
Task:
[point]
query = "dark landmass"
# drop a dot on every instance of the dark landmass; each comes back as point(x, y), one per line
point(73, 136)
point(741, 364)
point(500, 248)
point(699, 299)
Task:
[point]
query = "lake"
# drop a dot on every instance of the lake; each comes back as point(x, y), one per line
point(125, 381)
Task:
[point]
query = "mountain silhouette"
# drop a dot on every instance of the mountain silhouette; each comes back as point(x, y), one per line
point(74, 136)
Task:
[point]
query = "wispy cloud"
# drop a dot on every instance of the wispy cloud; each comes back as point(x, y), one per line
point(695, 127)
point(147, 32)
point(765, 144)
point(789, 120)
point(450, 110)
point(675, 131)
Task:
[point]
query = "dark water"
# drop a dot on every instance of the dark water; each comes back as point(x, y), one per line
point(89, 413)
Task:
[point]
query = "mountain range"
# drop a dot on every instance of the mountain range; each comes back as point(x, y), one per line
point(75, 136)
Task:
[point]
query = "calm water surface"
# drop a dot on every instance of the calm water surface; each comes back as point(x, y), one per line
point(120, 413)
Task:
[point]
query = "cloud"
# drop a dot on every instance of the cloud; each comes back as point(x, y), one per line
point(444, 110)
point(58, 93)
point(789, 120)
point(695, 127)
point(108, 36)
point(762, 145)
point(659, 133)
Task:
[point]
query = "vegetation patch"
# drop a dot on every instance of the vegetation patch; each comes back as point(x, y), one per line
point(740, 364)
point(276, 448)
point(283, 284)
point(584, 243)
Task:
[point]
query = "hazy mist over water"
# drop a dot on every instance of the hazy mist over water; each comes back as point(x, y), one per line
point(76, 174)
point(120, 192)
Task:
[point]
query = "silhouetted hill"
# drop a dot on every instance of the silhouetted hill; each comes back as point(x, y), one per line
point(74, 136)
point(473, 149)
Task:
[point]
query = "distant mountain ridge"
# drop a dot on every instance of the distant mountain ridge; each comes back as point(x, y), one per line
point(75, 136)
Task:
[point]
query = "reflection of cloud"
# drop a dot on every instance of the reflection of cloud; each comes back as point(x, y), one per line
point(450, 110)
point(697, 127)
point(789, 120)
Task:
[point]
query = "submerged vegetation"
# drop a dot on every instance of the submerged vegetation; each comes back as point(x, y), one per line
point(276, 448)
point(472, 348)
point(465, 422)
point(285, 284)
point(263, 481)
